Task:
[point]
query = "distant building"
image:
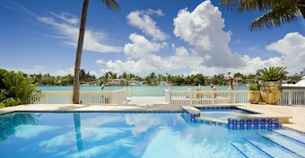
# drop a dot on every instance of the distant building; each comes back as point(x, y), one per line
point(208, 81)
point(135, 82)
point(116, 82)
point(163, 83)
point(238, 81)
point(90, 83)
point(302, 73)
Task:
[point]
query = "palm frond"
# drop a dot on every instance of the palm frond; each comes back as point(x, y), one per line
point(272, 73)
point(278, 11)
point(275, 18)
point(111, 4)
point(256, 5)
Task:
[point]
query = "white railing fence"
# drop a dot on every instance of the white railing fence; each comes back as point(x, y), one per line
point(184, 97)
point(189, 97)
point(103, 97)
point(293, 97)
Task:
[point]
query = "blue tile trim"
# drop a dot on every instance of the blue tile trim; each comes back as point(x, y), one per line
point(6, 113)
point(257, 147)
point(279, 145)
point(129, 112)
point(288, 136)
point(294, 130)
point(239, 150)
point(241, 124)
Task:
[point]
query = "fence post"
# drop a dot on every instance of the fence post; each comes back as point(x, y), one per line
point(290, 97)
point(234, 97)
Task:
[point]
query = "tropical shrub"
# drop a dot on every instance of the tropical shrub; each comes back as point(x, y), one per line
point(272, 73)
point(16, 88)
point(254, 87)
point(11, 102)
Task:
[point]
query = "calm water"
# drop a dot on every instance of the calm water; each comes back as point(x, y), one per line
point(221, 113)
point(138, 90)
point(119, 135)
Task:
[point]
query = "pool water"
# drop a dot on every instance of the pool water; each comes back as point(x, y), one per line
point(223, 113)
point(127, 135)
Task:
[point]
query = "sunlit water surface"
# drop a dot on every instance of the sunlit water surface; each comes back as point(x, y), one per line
point(149, 135)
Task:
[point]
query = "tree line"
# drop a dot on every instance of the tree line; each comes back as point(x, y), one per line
point(150, 79)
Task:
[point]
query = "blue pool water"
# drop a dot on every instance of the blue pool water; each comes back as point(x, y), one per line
point(223, 113)
point(137, 90)
point(128, 135)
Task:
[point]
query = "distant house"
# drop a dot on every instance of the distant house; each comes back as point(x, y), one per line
point(238, 81)
point(163, 83)
point(116, 82)
point(90, 83)
point(135, 82)
point(208, 81)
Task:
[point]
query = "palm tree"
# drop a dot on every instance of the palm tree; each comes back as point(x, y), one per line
point(111, 4)
point(278, 11)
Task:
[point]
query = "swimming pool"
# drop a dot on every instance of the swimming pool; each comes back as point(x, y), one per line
point(148, 135)
point(223, 113)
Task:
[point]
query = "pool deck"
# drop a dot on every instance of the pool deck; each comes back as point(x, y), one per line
point(295, 113)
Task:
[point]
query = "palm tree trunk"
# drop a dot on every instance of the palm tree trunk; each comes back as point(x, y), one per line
point(79, 50)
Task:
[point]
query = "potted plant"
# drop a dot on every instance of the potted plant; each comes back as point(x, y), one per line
point(254, 93)
point(271, 90)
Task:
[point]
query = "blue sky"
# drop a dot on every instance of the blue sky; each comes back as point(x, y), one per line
point(143, 36)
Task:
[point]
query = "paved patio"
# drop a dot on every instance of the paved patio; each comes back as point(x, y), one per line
point(297, 114)
point(144, 101)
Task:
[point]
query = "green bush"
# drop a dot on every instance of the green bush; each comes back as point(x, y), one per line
point(15, 89)
point(254, 87)
point(272, 73)
point(11, 102)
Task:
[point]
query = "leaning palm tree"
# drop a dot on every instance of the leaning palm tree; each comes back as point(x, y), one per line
point(111, 4)
point(277, 12)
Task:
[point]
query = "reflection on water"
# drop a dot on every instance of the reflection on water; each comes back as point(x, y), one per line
point(9, 124)
point(112, 135)
point(78, 135)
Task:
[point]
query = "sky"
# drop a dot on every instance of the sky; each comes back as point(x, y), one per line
point(180, 38)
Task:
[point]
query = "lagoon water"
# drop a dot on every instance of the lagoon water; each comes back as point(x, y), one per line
point(137, 90)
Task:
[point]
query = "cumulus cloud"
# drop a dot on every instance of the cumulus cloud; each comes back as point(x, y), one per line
point(130, 66)
point(292, 51)
point(140, 47)
point(142, 20)
point(203, 29)
point(67, 27)
point(65, 71)
point(208, 52)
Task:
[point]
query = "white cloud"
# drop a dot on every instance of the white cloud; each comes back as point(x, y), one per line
point(65, 71)
point(203, 29)
point(292, 51)
point(66, 25)
point(141, 47)
point(66, 17)
point(142, 20)
point(131, 66)
point(100, 61)
point(39, 67)
point(157, 12)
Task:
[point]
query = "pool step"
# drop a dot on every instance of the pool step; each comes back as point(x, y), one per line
point(294, 146)
point(211, 119)
point(270, 148)
point(297, 136)
point(249, 151)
